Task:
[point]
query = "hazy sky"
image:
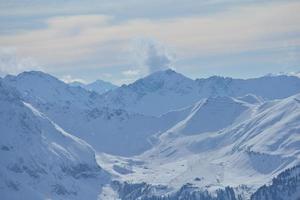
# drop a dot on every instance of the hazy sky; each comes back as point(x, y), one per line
point(121, 41)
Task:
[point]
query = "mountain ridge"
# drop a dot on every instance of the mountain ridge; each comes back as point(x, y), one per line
point(98, 86)
point(206, 135)
point(168, 90)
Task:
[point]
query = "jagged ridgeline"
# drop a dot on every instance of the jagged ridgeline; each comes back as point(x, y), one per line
point(165, 136)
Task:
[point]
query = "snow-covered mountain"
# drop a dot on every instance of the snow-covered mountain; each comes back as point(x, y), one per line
point(262, 87)
point(222, 142)
point(39, 160)
point(156, 94)
point(81, 113)
point(98, 86)
point(46, 90)
point(162, 137)
point(164, 91)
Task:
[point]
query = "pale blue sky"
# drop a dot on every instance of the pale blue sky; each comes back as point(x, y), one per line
point(121, 41)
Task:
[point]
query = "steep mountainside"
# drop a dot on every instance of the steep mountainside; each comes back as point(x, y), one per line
point(39, 160)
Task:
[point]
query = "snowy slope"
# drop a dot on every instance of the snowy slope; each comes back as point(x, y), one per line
point(168, 90)
point(271, 128)
point(98, 86)
point(39, 160)
point(246, 149)
point(212, 114)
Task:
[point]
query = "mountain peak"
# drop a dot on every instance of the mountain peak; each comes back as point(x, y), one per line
point(76, 83)
point(166, 72)
point(167, 80)
point(98, 86)
point(167, 76)
point(169, 71)
point(34, 73)
point(102, 84)
point(32, 76)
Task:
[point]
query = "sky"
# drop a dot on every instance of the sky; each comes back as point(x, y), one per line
point(121, 41)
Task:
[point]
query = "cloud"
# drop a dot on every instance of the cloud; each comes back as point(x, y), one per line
point(97, 41)
point(295, 74)
point(68, 39)
point(152, 55)
point(70, 79)
point(125, 9)
point(131, 72)
point(12, 63)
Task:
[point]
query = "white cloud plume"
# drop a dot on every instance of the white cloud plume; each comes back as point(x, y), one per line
point(152, 55)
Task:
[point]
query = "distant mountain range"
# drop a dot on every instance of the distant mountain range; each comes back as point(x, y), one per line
point(165, 136)
point(168, 90)
point(98, 86)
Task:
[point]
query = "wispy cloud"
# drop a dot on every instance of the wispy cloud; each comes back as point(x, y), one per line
point(237, 29)
point(102, 41)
